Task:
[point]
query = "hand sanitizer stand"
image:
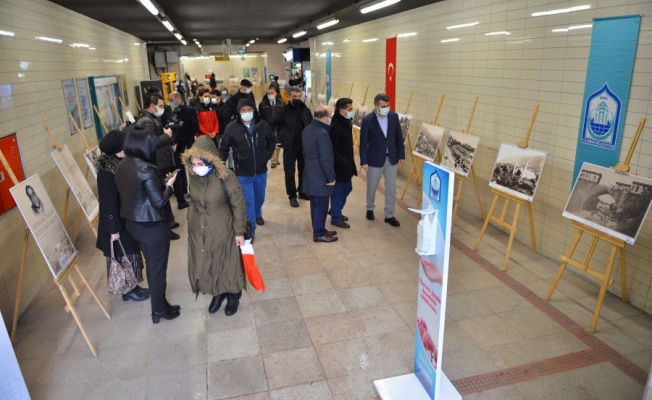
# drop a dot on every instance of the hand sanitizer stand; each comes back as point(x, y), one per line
point(428, 382)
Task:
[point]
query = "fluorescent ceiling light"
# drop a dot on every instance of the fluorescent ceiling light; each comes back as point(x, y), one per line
point(326, 24)
point(299, 34)
point(184, 42)
point(570, 28)
point(83, 45)
point(252, 41)
point(369, 40)
point(136, 44)
point(247, 45)
point(401, 35)
point(92, 48)
point(178, 36)
point(167, 24)
point(327, 44)
point(149, 6)
point(561, 10)
point(283, 40)
point(7, 33)
point(497, 33)
point(378, 5)
point(49, 39)
point(450, 40)
point(462, 25)
point(347, 40)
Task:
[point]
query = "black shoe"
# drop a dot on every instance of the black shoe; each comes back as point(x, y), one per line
point(260, 221)
point(216, 303)
point(331, 233)
point(172, 308)
point(325, 239)
point(294, 203)
point(393, 222)
point(370, 215)
point(232, 303)
point(251, 241)
point(345, 218)
point(135, 295)
point(304, 196)
point(183, 205)
point(174, 236)
point(174, 226)
point(156, 316)
point(340, 224)
point(142, 290)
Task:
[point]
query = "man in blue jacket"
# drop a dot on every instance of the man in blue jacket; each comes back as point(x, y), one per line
point(381, 152)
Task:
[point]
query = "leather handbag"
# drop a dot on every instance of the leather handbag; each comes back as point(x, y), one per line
point(122, 279)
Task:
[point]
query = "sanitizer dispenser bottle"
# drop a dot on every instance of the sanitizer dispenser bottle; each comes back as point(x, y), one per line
point(426, 231)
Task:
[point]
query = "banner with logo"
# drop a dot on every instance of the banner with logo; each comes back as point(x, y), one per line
point(606, 90)
point(433, 247)
point(328, 75)
point(390, 71)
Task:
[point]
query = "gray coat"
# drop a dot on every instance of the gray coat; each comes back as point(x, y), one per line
point(318, 154)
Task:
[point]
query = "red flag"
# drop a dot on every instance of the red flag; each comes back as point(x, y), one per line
point(390, 70)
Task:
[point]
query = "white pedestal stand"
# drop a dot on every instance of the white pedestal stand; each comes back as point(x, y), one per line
point(408, 387)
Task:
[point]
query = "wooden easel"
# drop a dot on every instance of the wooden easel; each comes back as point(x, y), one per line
point(69, 299)
point(351, 90)
point(417, 161)
point(617, 245)
point(97, 112)
point(337, 90)
point(115, 110)
point(507, 198)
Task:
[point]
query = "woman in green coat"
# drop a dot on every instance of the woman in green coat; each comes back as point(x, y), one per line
point(216, 226)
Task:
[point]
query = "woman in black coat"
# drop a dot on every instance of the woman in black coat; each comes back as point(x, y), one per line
point(111, 226)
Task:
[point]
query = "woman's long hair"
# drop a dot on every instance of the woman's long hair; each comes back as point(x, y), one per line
point(141, 144)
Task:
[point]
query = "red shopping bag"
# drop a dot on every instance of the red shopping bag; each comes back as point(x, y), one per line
point(251, 269)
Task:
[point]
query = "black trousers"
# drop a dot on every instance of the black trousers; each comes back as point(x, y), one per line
point(167, 208)
point(292, 157)
point(318, 213)
point(154, 241)
point(181, 183)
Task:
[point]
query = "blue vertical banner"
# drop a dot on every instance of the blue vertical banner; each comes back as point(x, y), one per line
point(433, 248)
point(328, 75)
point(606, 90)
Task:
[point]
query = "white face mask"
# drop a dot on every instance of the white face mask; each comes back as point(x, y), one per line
point(271, 98)
point(383, 110)
point(327, 122)
point(159, 112)
point(224, 93)
point(349, 115)
point(247, 90)
point(206, 100)
point(248, 116)
point(201, 171)
point(214, 100)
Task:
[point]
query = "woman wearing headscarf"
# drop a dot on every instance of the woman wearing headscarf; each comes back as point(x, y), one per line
point(111, 226)
point(216, 225)
point(143, 194)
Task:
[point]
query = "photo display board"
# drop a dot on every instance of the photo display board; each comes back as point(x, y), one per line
point(85, 101)
point(405, 120)
point(104, 90)
point(359, 113)
point(44, 224)
point(517, 170)
point(459, 152)
point(77, 182)
point(72, 106)
point(430, 136)
point(90, 157)
point(612, 202)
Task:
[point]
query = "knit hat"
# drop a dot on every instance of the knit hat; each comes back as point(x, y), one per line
point(246, 82)
point(247, 101)
point(112, 143)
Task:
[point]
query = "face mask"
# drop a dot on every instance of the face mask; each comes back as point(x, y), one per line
point(206, 100)
point(384, 111)
point(224, 93)
point(328, 121)
point(296, 102)
point(247, 90)
point(201, 171)
point(173, 105)
point(158, 112)
point(214, 100)
point(248, 116)
point(349, 115)
point(271, 98)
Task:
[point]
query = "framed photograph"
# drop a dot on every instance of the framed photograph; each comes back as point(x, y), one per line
point(72, 106)
point(124, 90)
point(44, 224)
point(517, 170)
point(430, 136)
point(104, 90)
point(90, 157)
point(359, 113)
point(612, 202)
point(85, 102)
point(77, 182)
point(459, 152)
point(405, 121)
point(246, 72)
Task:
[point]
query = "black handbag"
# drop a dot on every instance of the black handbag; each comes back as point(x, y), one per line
point(249, 229)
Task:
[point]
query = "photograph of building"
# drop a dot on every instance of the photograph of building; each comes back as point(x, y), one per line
point(517, 170)
point(430, 136)
point(459, 152)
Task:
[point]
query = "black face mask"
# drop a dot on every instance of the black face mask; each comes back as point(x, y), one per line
point(296, 102)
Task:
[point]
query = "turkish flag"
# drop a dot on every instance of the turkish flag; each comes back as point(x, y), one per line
point(390, 70)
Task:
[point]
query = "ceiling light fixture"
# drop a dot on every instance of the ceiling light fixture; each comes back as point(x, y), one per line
point(167, 24)
point(347, 40)
point(136, 44)
point(327, 44)
point(178, 36)
point(369, 40)
point(570, 28)
point(252, 41)
point(82, 45)
point(7, 33)
point(377, 5)
point(402, 35)
point(49, 39)
point(184, 42)
point(92, 48)
point(462, 25)
point(450, 40)
point(247, 45)
point(149, 6)
point(282, 40)
point(562, 10)
point(299, 34)
point(497, 33)
point(326, 24)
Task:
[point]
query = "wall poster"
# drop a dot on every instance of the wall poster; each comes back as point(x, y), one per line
point(77, 182)
point(85, 101)
point(72, 106)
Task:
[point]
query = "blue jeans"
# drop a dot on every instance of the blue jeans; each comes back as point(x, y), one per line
point(253, 189)
point(338, 199)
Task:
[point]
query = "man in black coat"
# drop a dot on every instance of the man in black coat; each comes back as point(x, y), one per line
point(184, 136)
point(341, 135)
point(245, 91)
point(290, 122)
point(267, 108)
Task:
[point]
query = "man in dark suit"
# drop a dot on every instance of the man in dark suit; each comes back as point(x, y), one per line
point(381, 152)
point(319, 175)
point(342, 140)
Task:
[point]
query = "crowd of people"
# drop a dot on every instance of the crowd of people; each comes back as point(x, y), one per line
point(212, 153)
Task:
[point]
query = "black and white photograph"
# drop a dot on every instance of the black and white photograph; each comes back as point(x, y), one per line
point(72, 105)
point(405, 120)
point(430, 136)
point(459, 152)
point(517, 170)
point(612, 202)
point(359, 113)
point(85, 102)
point(44, 224)
point(321, 99)
point(77, 182)
point(90, 157)
point(332, 101)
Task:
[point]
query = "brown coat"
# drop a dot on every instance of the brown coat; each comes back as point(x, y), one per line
point(214, 259)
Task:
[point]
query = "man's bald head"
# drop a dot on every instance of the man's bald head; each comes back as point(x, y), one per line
point(322, 111)
point(176, 97)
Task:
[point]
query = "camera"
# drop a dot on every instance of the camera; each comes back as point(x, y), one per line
point(173, 123)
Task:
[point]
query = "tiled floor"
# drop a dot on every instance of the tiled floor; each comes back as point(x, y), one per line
point(337, 316)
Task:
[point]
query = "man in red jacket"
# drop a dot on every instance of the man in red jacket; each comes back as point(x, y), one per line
point(208, 122)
